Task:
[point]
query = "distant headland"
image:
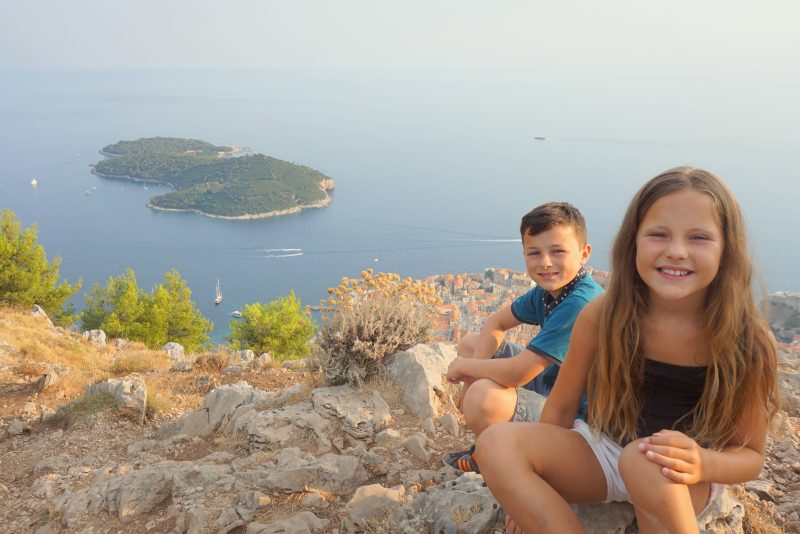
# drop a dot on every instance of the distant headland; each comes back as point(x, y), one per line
point(209, 180)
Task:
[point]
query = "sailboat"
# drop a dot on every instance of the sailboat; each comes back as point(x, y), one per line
point(34, 182)
point(218, 294)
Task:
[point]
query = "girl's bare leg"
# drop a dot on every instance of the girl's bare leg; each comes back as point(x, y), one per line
point(661, 504)
point(535, 470)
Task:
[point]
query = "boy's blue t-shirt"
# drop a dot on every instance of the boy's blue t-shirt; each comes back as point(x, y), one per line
point(552, 341)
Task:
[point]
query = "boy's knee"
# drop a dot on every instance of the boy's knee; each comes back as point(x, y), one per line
point(487, 402)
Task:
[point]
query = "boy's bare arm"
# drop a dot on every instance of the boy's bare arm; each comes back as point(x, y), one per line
point(493, 331)
point(509, 372)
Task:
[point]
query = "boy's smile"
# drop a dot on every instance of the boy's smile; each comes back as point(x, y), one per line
point(554, 257)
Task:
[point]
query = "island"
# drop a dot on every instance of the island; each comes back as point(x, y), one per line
point(225, 182)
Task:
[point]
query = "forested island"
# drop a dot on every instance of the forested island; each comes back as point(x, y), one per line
point(209, 180)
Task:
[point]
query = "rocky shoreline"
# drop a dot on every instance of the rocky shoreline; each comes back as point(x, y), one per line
point(253, 216)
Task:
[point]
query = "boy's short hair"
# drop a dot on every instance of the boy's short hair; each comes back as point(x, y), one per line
point(544, 217)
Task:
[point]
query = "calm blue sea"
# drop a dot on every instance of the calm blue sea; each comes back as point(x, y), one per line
point(433, 169)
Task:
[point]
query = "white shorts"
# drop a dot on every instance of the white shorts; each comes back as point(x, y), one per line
point(607, 452)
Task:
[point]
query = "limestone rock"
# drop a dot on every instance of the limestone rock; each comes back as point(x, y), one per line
point(243, 357)
point(219, 411)
point(179, 360)
point(371, 502)
point(415, 444)
point(174, 350)
point(302, 523)
point(39, 312)
point(49, 378)
point(418, 371)
point(450, 424)
point(294, 470)
point(264, 361)
point(96, 338)
point(359, 416)
point(130, 395)
point(295, 365)
point(462, 505)
point(724, 515)
point(14, 428)
point(269, 429)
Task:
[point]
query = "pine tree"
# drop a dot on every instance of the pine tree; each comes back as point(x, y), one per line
point(26, 277)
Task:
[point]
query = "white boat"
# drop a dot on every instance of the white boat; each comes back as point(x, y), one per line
point(236, 314)
point(34, 182)
point(218, 294)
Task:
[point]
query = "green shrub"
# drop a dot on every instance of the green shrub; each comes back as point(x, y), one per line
point(26, 277)
point(280, 327)
point(370, 319)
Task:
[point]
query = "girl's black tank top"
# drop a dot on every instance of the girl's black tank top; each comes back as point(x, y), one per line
point(669, 393)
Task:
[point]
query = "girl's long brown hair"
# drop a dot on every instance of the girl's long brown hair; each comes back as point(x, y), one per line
point(742, 370)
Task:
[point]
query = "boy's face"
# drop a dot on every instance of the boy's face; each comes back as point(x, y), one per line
point(554, 257)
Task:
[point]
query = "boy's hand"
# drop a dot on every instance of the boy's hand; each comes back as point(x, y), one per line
point(680, 457)
point(455, 372)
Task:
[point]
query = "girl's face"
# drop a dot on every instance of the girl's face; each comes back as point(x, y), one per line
point(678, 247)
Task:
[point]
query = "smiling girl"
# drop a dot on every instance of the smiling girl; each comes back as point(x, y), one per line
point(679, 365)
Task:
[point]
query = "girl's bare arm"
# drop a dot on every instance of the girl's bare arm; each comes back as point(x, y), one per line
point(563, 402)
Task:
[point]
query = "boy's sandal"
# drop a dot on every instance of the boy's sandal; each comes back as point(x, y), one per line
point(462, 460)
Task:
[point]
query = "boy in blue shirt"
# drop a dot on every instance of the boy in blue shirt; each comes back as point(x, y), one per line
point(502, 381)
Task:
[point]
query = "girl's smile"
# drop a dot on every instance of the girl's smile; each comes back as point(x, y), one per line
point(679, 246)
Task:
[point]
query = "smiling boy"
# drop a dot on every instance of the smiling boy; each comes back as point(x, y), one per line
point(502, 381)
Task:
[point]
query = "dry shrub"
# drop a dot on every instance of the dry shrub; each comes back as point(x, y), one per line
point(30, 369)
point(212, 362)
point(372, 318)
point(140, 361)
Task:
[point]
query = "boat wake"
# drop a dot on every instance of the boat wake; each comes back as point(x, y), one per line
point(281, 252)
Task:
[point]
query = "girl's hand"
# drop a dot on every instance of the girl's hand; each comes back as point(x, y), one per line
point(512, 527)
point(680, 457)
point(455, 373)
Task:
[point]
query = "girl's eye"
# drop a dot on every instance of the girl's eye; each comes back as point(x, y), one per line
point(533, 253)
point(658, 234)
point(700, 237)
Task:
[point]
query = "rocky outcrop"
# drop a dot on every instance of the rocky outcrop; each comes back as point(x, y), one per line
point(96, 337)
point(130, 395)
point(419, 371)
point(783, 310)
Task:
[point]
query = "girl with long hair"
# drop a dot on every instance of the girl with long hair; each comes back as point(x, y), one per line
point(679, 366)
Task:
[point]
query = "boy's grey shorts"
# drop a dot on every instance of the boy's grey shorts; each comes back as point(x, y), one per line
point(531, 396)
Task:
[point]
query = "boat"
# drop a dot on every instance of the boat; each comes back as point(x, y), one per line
point(540, 138)
point(218, 294)
point(34, 182)
point(87, 193)
point(236, 314)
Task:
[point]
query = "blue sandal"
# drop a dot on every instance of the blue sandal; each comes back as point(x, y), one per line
point(462, 460)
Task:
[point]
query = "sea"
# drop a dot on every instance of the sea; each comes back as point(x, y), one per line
point(433, 168)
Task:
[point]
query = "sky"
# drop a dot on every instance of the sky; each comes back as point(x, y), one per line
point(711, 38)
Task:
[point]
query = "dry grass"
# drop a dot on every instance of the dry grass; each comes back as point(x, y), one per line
point(140, 361)
point(85, 407)
point(37, 344)
point(159, 401)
